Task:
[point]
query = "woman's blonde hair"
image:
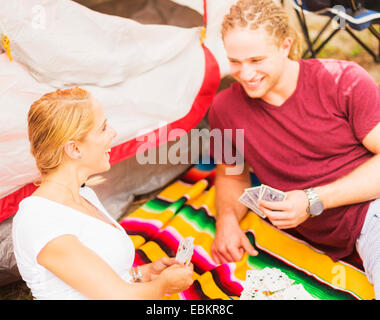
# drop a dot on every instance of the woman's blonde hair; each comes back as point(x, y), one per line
point(253, 14)
point(54, 119)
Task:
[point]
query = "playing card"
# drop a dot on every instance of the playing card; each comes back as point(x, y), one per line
point(271, 194)
point(279, 295)
point(254, 193)
point(246, 200)
point(254, 279)
point(252, 196)
point(253, 295)
point(185, 250)
point(251, 204)
point(296, 292)
point(271, 284)
point(275, 280)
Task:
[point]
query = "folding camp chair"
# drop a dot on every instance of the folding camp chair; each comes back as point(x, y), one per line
point(350, 18)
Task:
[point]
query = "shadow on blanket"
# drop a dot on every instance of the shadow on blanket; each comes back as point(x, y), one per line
point(187, 208)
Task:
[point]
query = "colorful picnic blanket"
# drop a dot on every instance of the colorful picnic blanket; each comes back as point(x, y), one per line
point(187, 208)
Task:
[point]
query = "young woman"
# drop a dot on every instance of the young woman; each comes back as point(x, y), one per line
point(66, 244)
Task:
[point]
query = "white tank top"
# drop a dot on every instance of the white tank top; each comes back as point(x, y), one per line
point(40, 220)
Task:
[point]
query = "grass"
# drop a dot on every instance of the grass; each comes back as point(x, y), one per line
point(15, 291)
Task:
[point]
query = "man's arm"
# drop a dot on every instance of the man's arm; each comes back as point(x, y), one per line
point(361, 185)
point(230, 242)
point(228, 190)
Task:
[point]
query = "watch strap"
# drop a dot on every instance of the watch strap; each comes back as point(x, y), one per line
point(313, 198)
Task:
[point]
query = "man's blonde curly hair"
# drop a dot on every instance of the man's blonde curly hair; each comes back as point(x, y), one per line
point(253, 14)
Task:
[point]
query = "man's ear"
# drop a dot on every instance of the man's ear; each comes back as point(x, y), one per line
point(286, 46)
point(71, 150)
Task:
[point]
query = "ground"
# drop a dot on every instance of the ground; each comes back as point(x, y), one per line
point(341, 47)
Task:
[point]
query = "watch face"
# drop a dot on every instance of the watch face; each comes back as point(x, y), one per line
point(316, 208)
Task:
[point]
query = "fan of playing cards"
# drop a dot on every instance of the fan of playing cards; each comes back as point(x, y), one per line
point(252, 196)
point(185, 250)
point(272, 284)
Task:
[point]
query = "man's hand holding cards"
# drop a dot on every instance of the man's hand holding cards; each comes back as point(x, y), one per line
point(284, 210)
point(252, 196)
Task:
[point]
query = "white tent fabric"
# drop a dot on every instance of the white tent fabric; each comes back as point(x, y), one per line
point(119, 60)
point(216, 10)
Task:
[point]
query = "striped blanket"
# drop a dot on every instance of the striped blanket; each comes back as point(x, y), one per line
point(187, 208)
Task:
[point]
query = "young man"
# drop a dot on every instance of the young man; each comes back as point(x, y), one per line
point(312, 129)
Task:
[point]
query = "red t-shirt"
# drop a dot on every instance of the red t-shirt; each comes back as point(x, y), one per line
point(313, 139)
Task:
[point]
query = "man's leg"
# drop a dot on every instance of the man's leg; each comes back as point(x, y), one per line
point(368, 246)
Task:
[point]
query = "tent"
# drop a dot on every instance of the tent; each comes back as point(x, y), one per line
point(151, 79)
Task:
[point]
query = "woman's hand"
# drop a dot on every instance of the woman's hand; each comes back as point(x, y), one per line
point(176, 278)
point(152, 270)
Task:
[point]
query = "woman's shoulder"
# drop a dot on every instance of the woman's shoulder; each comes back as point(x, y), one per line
point(35, 208)
point(40, 202)
point(31, 210)
point(39, 218)
point(33, 203)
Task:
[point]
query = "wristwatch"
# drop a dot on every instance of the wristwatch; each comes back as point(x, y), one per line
point(315, 207)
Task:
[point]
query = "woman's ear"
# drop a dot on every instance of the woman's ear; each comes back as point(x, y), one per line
point(72, 151)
